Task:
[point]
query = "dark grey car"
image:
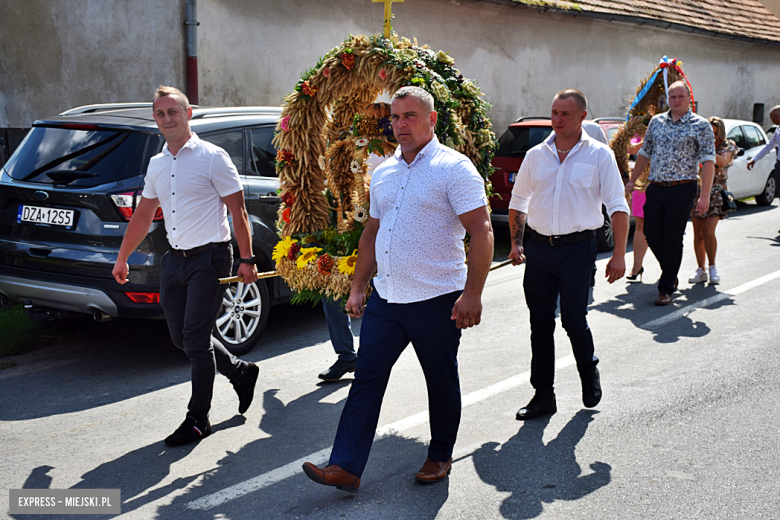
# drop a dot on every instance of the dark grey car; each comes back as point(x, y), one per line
point(68, 191)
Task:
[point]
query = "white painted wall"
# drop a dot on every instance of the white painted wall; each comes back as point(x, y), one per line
point(56, 54)
point(253, 53)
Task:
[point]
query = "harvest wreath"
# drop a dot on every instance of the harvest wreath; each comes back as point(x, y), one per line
point(329, 126)
point(649, 99)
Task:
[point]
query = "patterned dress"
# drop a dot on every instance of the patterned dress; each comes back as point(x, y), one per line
point(718, 183)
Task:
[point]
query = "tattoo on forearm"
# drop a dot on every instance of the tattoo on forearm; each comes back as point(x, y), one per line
point(519, 228)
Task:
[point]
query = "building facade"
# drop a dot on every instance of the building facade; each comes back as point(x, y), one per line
point(252, 52)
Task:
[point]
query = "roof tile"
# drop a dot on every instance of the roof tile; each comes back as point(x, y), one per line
point(746, 18)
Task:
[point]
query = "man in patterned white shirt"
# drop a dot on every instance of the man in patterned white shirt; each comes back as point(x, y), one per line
point(423, 201)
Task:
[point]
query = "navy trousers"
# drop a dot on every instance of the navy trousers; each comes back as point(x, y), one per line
point(667, 210)
point(386, 331)
point(551, 271)
point(191, 297)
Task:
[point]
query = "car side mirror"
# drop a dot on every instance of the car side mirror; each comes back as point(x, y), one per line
point(741, 152)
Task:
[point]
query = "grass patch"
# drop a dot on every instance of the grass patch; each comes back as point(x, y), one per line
point(17, 331)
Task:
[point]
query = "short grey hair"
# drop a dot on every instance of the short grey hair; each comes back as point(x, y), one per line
point(164, 91)
point(421, 95)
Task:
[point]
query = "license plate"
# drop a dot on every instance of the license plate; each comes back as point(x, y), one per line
point(512, 176)
point(46, 216)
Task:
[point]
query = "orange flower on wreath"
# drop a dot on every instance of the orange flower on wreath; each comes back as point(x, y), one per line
point(285, 156)
point(308, 90)
point(286, 215)
point(288, 198)
point(325, 264)
point(348, 60)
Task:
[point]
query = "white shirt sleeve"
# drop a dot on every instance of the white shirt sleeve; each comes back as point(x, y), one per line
point(774, 142)
point(522, 190)
point(149, 191)
point(466, 191)
point(224, 175)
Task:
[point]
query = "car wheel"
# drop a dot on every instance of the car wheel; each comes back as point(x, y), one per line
point(766, 197)
point(605, 238)
point(243, 316)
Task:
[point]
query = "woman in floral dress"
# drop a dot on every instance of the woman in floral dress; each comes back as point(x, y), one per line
point(704, 242)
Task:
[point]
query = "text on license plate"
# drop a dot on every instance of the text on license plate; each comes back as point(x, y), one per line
point(50, 216)
point(512, 176)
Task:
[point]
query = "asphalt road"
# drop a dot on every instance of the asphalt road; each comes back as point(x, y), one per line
point(688, 426)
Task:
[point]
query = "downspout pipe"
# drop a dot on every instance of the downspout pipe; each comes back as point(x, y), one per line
point(192, 50)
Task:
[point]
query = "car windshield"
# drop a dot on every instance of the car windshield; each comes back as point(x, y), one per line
point(76, 157)
point(517, 140)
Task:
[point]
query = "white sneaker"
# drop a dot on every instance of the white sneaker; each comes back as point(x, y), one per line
point(699, 276)
point(714, 276)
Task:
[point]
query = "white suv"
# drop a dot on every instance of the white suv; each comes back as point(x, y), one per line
point(760, 181)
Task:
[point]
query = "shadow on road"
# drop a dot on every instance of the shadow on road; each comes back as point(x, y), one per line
point(536, 473)
point(295, 430)
point(85, 365)
point(134, 473)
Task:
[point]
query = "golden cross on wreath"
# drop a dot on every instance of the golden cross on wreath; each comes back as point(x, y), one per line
point(388, 14)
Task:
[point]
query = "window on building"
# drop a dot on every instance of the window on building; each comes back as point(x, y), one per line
point(758, 113)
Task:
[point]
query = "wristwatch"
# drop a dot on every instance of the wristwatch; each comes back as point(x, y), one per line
point(250, 260)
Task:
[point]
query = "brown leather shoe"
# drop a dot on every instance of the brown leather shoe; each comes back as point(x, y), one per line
point(332, 475)
point(433, 471)
point(663, 299)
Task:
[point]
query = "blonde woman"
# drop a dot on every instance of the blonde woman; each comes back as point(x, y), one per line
point(705, 245)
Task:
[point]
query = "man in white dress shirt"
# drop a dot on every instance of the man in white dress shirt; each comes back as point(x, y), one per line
point(559, 191)
point(196, 184)
point(423, 201)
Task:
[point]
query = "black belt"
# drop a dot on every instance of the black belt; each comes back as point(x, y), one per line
point(560, 240)
point(186, 253)
point(671, 183)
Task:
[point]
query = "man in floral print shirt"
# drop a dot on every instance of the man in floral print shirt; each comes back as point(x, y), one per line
point(675, 144)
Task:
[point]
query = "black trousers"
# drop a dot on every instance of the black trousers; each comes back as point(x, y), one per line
point(191, 297)
point(551, 271)
point(666, 214)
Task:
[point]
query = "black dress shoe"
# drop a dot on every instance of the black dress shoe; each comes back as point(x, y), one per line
point(191, 430)
point(591, 389)
point(338, 370)
point(536, 408)
point(245, 387)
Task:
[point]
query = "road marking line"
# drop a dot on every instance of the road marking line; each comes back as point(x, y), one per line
point(293, 468)
point(679, 313)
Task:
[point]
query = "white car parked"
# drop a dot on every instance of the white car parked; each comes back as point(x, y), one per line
point(760, 182)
